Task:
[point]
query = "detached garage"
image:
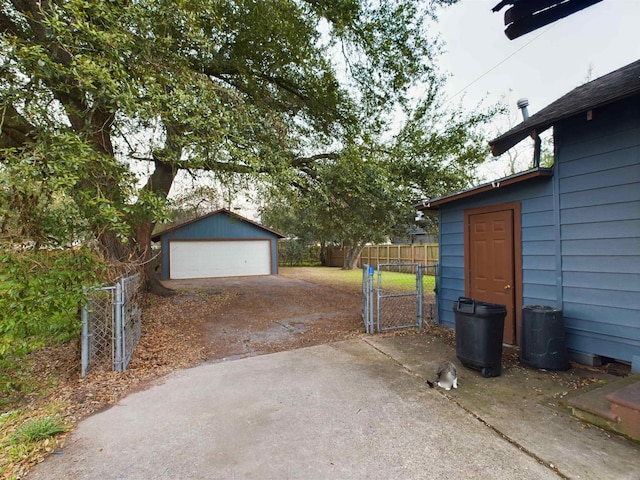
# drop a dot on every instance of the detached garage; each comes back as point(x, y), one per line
point(220, 244)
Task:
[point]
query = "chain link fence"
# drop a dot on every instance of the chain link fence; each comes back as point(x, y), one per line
point(111, 324)
point(394, 297)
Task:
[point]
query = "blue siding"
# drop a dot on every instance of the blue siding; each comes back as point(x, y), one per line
point(219, 226)
point(539, 277)
point(539, 247)
point(613, 228)
point(538, 234)
point(619, 265)
point(538, 262)
point(599, 184)
point(580, 233)
point(605, 281)
point(607, 345)
point(452, 257)
point(618, 194)
point(544, 232)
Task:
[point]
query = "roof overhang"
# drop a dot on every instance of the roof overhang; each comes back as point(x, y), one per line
point(518, 178)
point(618, 85)
point(528, 15)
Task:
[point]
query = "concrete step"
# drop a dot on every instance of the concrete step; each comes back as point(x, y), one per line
point(594, 406)
point(625, 404)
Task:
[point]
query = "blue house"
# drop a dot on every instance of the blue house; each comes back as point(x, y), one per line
point(567, 236)
point(220, 244)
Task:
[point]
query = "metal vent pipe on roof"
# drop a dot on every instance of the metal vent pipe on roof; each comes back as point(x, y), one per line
point(523, 103)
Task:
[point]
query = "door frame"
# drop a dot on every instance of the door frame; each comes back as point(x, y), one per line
point(517, 253)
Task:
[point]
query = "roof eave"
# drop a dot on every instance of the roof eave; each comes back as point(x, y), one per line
point(618, 85)
point(434, 204)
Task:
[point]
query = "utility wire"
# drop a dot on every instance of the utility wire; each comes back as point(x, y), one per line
point(499, 63)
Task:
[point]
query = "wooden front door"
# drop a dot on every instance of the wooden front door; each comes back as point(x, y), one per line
point(490, 260)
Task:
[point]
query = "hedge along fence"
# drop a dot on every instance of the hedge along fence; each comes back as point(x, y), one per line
point(423, 253)
point(40, 298)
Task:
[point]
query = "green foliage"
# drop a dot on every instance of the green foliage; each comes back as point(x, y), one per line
point(353, 278)
point(438, 150)
point(350, 199)
point(233, 86)
point(45, 197)
point(406, 282)
point(40, 296)
point(547, 156)
point(296, 251)
point(365, 192)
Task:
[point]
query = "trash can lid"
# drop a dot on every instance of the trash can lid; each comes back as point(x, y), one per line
point(469, 305)
point(543, 308)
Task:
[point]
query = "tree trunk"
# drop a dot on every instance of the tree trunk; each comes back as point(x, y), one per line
point(115, 251)
point(138, 253)
point(160, 183)
point(323, 254)
point(149, 263)
point(351, 256)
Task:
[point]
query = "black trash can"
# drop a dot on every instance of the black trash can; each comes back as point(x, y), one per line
point(479, 332)
point(542, 343)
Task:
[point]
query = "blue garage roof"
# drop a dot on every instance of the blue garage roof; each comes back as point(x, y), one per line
point(159, 235)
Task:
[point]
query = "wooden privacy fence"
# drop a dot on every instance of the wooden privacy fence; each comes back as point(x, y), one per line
point(423, 253)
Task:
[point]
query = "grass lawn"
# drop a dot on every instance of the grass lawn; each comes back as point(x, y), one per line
point(353, 278)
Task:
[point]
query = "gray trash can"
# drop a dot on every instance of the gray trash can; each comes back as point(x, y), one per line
point(479, 332)
point(542, 344)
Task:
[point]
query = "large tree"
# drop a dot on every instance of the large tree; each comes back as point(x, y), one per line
point(103, 102)
point(348, 200)
point(365, 192)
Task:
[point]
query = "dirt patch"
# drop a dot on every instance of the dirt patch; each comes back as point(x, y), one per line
point(207, 320)
point(249, 316)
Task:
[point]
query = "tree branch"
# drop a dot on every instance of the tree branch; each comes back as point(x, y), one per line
point(285, 84)
point(15, 130)
point(229, 72)
point(304, 161)
point(7, 26)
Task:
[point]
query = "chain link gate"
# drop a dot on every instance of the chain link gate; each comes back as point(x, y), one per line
point(111, 324)
point(393, 298)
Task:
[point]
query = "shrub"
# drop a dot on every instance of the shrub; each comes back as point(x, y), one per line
point(296, 252)
point(40, 296)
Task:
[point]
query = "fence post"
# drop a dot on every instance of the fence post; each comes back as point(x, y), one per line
point(84, 355)
point(119, 303)
point(419, 290)
point(372, 314)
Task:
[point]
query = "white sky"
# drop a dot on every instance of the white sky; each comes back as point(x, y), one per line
point(542, 65)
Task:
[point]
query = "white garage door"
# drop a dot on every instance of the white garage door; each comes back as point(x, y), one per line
point(225, 258)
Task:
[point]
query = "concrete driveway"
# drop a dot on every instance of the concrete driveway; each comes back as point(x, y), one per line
point(355, 409)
